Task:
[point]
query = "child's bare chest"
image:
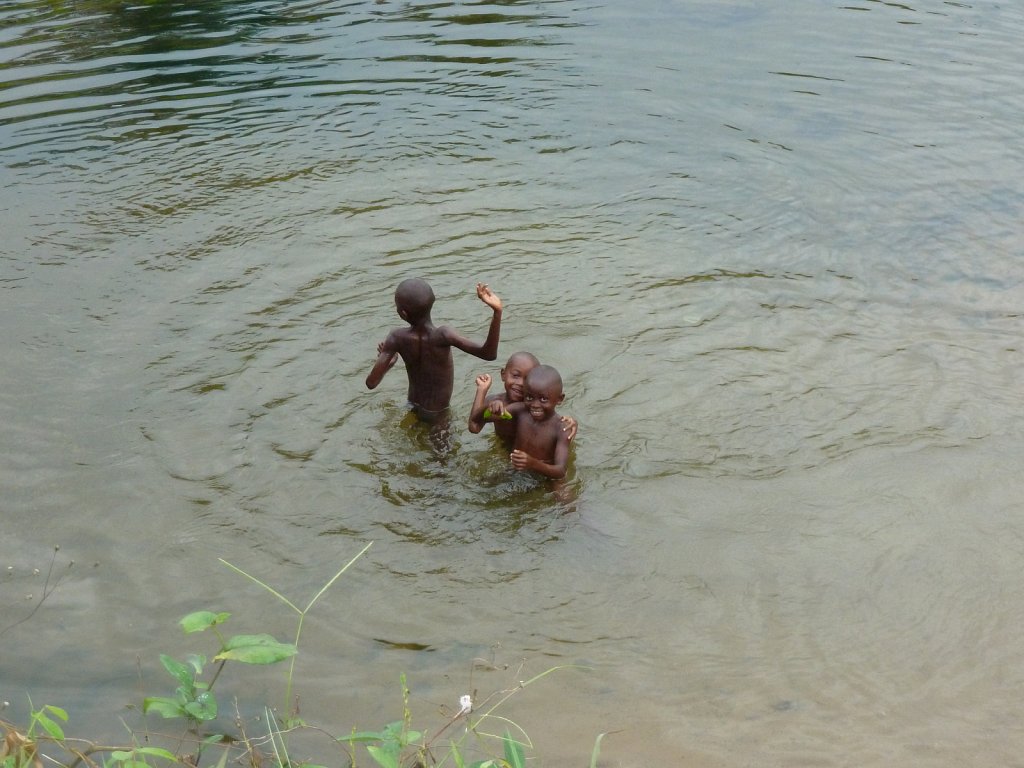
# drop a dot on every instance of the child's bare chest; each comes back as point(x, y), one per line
point(536, 438)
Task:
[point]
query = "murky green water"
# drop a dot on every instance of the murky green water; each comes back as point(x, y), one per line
point(776, 251)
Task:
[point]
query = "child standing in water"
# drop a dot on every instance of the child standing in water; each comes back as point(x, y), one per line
point(426, 349)
point(512, 376)
point(541, 444)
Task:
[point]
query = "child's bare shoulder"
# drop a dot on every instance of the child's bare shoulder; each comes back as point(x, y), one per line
point(403, 332)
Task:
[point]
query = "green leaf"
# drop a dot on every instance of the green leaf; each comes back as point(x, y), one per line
point(49, 726)
point(197, 661)
point(57, 711)
point(363, 736)
point(384, 758)
point(128, 757)
point(156, 752)
point(514, 754)
point(255, 649)
point(163, 706)
point(178, 671)
point(597, 750)
point(203, 707)
point(200, 620)
point(223, 758)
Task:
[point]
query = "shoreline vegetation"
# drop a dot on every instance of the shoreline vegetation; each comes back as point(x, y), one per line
point(472, 735)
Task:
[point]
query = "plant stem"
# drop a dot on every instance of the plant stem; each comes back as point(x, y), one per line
point(302, 612)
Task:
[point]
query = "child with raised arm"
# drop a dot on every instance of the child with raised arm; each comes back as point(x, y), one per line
point(426, 349)
point(512, 376)
point(541, 445)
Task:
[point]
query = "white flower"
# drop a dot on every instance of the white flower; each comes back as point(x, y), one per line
point(466, 704)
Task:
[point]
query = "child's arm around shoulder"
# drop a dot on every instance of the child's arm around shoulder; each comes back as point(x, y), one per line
point(494, 408)
point(570, 426)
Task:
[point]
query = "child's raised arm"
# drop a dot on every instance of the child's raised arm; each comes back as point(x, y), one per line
point(489, 349)
point(488, 297)
point(476, 413)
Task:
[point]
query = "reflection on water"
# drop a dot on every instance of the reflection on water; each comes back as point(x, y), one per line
point(775, 253)
point(155, 70)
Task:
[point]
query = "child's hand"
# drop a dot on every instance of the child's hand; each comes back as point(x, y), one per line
point(519, 459)
point(497, 408)
point(488, 297)
point(483, 382)
point(570, 425)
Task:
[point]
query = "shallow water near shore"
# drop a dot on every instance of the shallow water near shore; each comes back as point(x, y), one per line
point(777, 254)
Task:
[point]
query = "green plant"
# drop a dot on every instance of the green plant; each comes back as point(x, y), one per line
point(389, 745)
point(194, 699)
point(475, 736)
point(41, 717)
point(397, 744)
point(291, 716)
point(136, 757)
point(597, 750)
point(20, 750)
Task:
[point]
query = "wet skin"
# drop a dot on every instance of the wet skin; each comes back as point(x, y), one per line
point(426, 349)
point(513, 376)
point(541, 444)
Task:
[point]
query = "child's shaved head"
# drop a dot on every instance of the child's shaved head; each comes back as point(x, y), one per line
point(414, 298)
point(522, 360)
point(544, 377)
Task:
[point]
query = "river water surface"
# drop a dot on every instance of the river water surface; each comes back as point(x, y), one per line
point(775, 249)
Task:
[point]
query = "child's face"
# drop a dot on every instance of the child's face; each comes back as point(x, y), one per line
point(542, 397)
point(513, 376)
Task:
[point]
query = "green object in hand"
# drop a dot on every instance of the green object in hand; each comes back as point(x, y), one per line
point(505, 414)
